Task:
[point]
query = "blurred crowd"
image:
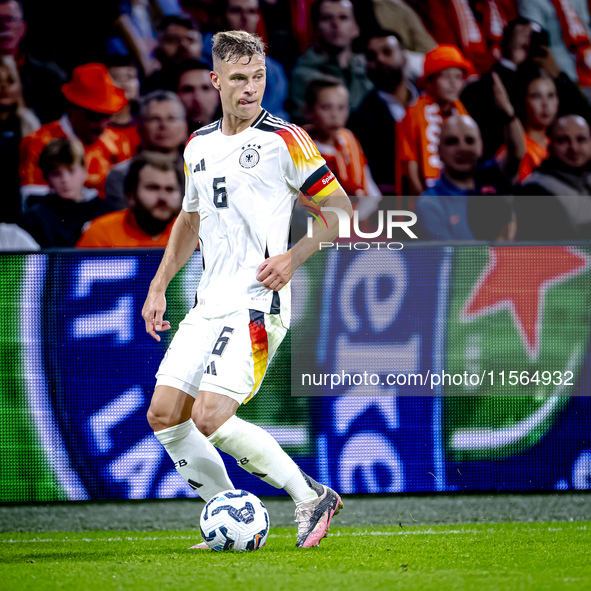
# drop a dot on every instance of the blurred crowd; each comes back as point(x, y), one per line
point(474, 114)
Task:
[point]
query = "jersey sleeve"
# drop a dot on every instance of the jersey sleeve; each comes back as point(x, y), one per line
point(303, 166)
point(191, 198)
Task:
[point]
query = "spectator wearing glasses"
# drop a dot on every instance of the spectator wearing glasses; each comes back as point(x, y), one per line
point(163, 132)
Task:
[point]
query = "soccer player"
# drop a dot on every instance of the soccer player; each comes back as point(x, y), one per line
point(243, 176)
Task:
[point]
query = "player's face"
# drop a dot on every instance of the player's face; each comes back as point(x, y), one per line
point(541, 103)
point(198, 96)
point(460, 147)
point(241, 86)
point(243, 15)
point(331, 110)
point(164, 126)
point(448, 85)
point(67, 181)
point(158, 193)
point(571, 142)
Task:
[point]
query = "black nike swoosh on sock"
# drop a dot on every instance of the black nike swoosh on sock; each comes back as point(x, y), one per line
point(257, 474)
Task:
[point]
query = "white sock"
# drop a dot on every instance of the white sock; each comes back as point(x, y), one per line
point(258, 453)
point(195, 459)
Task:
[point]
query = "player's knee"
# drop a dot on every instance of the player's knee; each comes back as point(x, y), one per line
point(207, 422)
point(160, 420)
point(204, 423)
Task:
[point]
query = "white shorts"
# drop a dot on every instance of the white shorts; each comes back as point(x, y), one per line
point(228, 355)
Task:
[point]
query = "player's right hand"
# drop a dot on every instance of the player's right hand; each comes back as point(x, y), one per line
point(153, 312)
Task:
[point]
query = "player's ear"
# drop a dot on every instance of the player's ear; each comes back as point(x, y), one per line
point(215, 80)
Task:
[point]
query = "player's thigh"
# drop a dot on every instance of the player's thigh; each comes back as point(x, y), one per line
point(185, 360)
point(247, 341)
point(169, 407)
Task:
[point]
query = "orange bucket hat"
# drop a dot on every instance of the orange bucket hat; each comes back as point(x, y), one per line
point(92, 88)
point(442, 58)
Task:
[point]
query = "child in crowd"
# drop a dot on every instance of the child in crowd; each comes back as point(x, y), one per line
point(327, 107)
point(57, 219)
point(417, 135)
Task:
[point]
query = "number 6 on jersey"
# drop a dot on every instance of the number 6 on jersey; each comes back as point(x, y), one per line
point(220, 196)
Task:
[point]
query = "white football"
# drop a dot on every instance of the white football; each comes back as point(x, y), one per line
point(234, 520)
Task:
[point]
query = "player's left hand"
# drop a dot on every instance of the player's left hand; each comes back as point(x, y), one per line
point(275, 272)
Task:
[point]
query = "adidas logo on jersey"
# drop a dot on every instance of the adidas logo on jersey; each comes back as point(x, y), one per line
point(200, 167)
point(211, 369)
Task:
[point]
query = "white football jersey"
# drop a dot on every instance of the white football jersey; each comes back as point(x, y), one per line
point(244, 188)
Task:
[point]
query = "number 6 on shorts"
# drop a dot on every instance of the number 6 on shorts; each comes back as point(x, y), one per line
point(222, 341)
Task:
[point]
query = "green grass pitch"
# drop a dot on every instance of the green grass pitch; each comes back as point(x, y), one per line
point(481, 556)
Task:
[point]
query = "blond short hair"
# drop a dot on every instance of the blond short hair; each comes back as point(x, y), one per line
point(230, 46)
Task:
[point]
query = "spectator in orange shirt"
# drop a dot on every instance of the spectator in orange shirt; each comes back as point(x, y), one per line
point(536, 101)
point(56, 220)
point(327, 106)
point(154, 193)
point(92, 99)
point(417, 135)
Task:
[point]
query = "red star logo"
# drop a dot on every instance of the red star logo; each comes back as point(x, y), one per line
point(517, 279)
